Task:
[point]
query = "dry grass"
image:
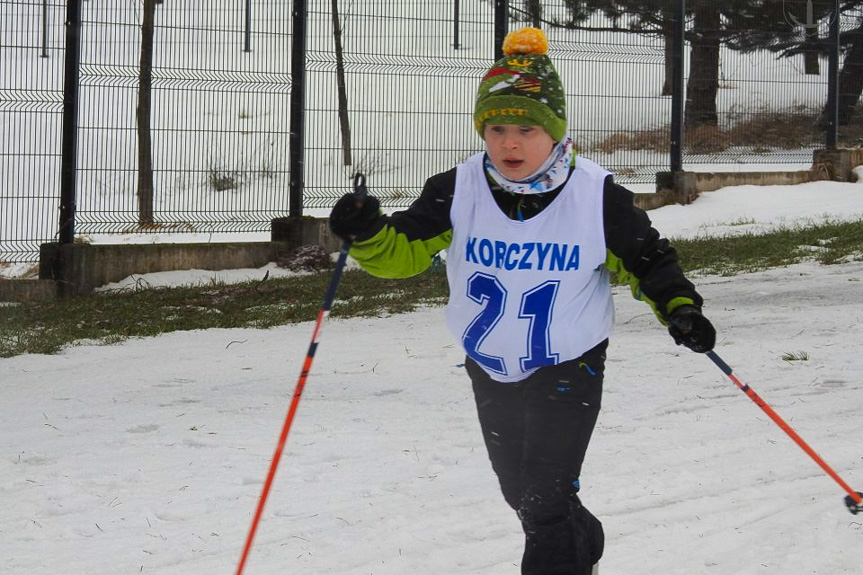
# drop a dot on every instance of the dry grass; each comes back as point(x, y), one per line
point(760, 131)
point(653, 140)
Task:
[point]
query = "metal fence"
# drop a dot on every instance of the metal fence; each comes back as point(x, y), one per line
point(223, 90)
point(31, 112)
point(410, 82)
point(617, 112)
point(219, 121)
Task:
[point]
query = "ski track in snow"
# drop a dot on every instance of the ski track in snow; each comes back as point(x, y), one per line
point(149, 457)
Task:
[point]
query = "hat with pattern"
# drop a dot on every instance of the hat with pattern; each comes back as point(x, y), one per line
point(523, 87)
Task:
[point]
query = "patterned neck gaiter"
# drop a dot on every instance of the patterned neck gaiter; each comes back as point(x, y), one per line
point(550, 175)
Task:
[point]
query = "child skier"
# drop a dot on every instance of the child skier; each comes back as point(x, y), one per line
point(533, 233)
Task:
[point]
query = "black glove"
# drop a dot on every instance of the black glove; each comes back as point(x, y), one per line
point(352, 220)
point(688, 327)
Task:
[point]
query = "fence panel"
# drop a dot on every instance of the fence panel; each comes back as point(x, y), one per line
point(219, 126)
point(31, 114)
point(221, 89)
point(614, 80)
point(409, 90)
point(767, 106)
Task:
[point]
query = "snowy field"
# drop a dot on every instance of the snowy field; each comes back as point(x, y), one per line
point(149, 456)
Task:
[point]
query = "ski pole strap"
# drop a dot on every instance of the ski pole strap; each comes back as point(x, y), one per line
point(360, 190)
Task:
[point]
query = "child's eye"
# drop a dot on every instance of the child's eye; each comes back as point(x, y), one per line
point(526, 129)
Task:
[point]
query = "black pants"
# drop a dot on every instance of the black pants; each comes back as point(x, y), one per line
point(536, 432)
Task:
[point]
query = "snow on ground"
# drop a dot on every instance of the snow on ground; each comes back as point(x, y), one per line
point(197, 278)
point(757, 209)
point(149, 456)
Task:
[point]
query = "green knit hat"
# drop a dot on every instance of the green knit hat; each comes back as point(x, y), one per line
point(522, 87)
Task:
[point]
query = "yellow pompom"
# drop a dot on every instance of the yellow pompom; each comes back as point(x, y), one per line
point(525, 41)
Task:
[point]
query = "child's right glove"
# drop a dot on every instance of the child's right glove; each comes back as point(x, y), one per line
point(689, 328)
point(352, 220)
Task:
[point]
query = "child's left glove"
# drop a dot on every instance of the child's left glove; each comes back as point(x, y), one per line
point(689, 328)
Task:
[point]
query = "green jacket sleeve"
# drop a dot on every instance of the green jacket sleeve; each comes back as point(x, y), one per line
point(640, 257)
point(404, 243)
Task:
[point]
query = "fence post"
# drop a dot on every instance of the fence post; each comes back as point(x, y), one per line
point(44, 53)
point(832, 107)
point(248, 32)
point(501, 24)
point(455, 26)
point(297, 138)
point(69, 141)
point(677, 96)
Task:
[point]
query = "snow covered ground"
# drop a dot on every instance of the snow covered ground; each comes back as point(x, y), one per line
point(149, 456)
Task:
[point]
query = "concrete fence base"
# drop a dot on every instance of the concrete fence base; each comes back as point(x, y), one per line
point(77, 269)
point(836, 165)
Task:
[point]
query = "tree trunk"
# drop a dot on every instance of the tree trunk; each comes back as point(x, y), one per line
point(850, 83)
point(668, 45)
point(145, 139)
point(811, 63)
point(344, 121)
point(534, 12)
point(851, 77)
point(703, 82)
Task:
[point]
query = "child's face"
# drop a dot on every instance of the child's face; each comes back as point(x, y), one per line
point(517, 151)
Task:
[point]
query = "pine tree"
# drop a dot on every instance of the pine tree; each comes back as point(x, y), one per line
point(789, 28)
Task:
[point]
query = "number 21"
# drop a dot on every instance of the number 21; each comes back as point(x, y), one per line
point(536, 307)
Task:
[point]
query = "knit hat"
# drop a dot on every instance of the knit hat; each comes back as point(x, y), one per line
point(522, 87)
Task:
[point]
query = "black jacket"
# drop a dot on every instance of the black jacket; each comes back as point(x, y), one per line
point(404, 243)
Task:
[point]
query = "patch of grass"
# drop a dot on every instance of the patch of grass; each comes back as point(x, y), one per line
point(113, 317)
point(795, 356)
point(827, 243)
point(143, 312)
point(742, 222)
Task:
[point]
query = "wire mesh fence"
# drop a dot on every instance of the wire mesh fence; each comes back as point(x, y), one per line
point(753, 95)
point(409, 84)
point(31, 108)
point(389, 91)
point(618, 107)
point(218, 117)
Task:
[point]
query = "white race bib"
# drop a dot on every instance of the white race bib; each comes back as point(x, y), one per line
point(525, 294)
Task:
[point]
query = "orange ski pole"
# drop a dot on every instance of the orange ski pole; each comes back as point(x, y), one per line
point(854, 499)
point(360, 192)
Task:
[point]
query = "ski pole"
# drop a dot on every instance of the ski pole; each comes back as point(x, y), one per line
point(360, 193)
point(854, 499)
